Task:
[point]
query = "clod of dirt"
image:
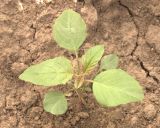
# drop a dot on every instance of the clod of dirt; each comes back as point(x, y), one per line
point(155, 7)
point(29, 98)
point(158, 120)
point(116, 115)
point(48, 1)
point(150, 111)
point(5, 29)
point(23, 32)
point(90, 16)
point(9, 122)
point(83, 115)
point(153, 36)
point(11, 101)
point(17, 68)
point(111, 125)
point(134, 120)
point(2, 101)
point(75, 120)
point(106, 3)
point(47, 15)
point(35, 113)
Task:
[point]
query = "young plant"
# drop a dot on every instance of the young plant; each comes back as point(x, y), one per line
point(111, 87)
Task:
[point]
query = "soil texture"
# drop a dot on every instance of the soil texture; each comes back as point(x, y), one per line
point(129, 28)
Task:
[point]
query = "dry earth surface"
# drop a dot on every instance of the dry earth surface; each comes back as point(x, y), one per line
point(129, 28)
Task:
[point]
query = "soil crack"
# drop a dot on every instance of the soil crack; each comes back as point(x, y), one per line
point(35, 30)
point(136, 44)
point(132, 16)
point(147, 71)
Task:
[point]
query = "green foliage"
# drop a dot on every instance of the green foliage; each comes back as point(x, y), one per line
point(69, 30)
point(109, 62)
point(91, 58)
point(55, 103)
point(50, 72)
point(114, 87)
point(110, 88)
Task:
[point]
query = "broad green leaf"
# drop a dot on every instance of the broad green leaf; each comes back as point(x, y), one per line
point(49, 73)
point(69, 30)
point(55, 103)
point(114, 87)
point(91, 58)
point(109, 62)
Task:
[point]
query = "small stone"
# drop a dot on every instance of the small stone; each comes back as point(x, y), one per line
point(36, 118)
point(48, 1)
point(106, 36)
point(83, 115)
point(75, 1)
point(150, 111)
point(39, 1)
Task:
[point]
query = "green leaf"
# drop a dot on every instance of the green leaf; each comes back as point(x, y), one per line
point(69, 30)
point(91, 58)
point(114, 87)
point(55, 103)
point(49, 73)
point(109, 62)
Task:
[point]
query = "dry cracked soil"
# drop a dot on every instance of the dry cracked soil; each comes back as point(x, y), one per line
point(129, 28)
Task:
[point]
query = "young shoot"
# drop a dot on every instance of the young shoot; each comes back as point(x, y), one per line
point(111, 86)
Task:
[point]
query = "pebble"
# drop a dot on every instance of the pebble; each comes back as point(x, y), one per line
point(83, 115)
point(150, 111)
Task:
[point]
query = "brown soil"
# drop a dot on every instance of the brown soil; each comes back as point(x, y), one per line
point(129, 28)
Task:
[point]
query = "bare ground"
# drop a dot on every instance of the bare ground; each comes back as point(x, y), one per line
point(129, 28)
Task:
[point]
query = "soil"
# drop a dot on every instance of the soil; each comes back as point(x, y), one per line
point(129, 28)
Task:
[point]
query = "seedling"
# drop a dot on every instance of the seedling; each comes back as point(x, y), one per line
point(111, 87)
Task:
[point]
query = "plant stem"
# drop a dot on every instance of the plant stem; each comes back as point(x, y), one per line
point(78, 65)
point(90, 81)
point(81, 98)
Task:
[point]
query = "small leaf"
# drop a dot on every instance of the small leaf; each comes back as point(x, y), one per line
point(109, 62)
point(91, 58)
point(114, 87)
point(50, 72)
point(55, 103)
point(69, 30)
